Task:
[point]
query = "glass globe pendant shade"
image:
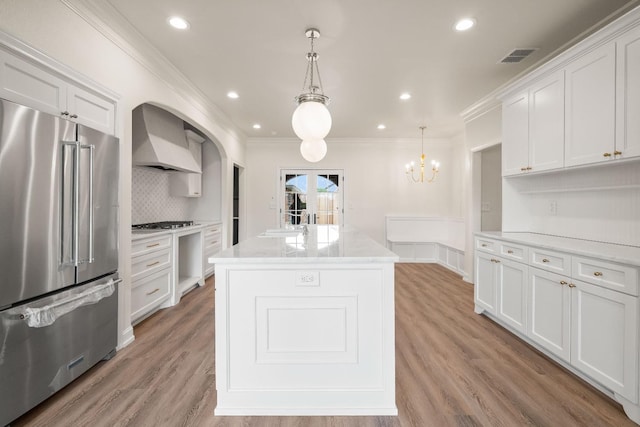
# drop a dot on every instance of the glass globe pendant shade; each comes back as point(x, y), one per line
point(313, 150)
point(311, 121)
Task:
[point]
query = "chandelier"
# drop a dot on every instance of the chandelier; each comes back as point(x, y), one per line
point(409, 167)
point(311, 120)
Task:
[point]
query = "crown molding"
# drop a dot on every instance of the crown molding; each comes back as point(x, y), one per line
point(105, 19)
point(432, 142)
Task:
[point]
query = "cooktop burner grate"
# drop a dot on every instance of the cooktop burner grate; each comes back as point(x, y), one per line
point(163, 225)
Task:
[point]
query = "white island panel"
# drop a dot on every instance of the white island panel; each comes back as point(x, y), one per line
point(306, 338)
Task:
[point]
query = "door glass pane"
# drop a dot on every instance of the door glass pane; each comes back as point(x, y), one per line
point(295, 200)
point(327, 199)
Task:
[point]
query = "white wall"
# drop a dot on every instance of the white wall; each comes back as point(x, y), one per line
point(375, 181)
point(81, 43)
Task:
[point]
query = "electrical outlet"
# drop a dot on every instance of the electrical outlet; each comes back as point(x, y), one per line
point(307, 278)
point(553, 207)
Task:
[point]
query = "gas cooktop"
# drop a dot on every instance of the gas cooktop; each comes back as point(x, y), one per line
point(162, 225)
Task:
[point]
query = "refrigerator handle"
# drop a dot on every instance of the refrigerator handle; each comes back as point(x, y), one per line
point(68, 248)
point(91, 149)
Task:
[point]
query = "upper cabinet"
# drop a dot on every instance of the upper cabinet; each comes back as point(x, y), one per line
point(533, 128)
point(580, 108)
point(32, 85)
point(628, 94)
point(590, 107)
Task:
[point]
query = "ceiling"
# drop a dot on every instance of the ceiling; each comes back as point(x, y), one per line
point(369, 53)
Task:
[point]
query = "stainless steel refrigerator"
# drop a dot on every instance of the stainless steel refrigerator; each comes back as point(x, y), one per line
point(58, 254)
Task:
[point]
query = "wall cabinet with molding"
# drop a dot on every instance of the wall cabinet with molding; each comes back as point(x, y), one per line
point(580, 108)
point(583, 310)
point(35, 86)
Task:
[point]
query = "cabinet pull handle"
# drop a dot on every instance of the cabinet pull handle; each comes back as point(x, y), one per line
point(562, 282)
point(153, 291)
point(484, 245)
point(571, 285)
point(545, 260)
point(597, 273)
point(607, 154)
point(523, 169)
point(494, 260)
point(509, 251)
point(213, 242)
point(617, 153)
point(153, 263)
point(73, 116)
point(196, 193)
point(64, 113)
point(155, 244)
point(529, 168)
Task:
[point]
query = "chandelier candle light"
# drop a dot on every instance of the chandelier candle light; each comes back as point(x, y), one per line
point(311, 120)
point(435, 165)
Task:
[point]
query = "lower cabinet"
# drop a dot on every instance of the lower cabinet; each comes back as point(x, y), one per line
point(590, 326)
point(212, 244)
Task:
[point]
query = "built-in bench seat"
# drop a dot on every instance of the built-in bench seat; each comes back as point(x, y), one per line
point(427, 239)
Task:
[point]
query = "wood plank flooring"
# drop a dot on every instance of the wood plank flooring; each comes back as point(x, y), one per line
point(453, 368)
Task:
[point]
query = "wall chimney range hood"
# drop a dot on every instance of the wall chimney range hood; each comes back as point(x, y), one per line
point(159, 141)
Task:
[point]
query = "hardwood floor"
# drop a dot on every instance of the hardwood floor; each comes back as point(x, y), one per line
point(453, 368)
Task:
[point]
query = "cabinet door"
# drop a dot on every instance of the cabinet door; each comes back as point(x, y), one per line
point(546, 124)
point(91, 110)
point(512, 294)
point(515, 134)
point(27, 84)
point(628, 94)
point(485, 283)
point(590, 107)
point(605, 337)
point(549, 312)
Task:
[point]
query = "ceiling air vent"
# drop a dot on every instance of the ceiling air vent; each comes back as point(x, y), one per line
point(517, 55)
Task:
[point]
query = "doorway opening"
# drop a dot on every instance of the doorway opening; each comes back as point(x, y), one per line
point(311, 197)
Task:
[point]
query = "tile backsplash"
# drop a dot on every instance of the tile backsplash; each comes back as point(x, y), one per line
point(150, 199)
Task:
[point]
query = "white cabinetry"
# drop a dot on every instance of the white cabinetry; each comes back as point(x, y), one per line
point(34, 86)
point(151, 274)
point(183, 184)
point(590, 107)
point(212, 244)
point(533, 128)
point(500, 285)
point(583, 310)
point(628, 95)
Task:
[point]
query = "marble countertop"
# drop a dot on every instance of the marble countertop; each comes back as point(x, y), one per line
point(143, 234)
point(320, 244)
point(605, 251)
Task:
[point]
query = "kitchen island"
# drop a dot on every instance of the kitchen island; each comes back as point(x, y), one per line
point(305, 324)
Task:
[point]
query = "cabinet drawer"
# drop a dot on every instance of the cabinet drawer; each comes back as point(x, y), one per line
point(149, 292)
point(486, 245)
point(213, 229)
point(513, 251)
point(608, 275)
point(151, 244)
point(557, 262)
point(143, 265)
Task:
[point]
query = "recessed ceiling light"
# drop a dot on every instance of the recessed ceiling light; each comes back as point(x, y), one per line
point(257, 126)
point(178, 22)
point(233, 95)
point(464, 24)
point(381, 126)
point(405, 96)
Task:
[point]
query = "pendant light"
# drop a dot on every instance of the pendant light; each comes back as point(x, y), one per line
point(311, 120)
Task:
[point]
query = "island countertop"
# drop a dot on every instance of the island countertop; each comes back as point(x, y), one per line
point(317, 244)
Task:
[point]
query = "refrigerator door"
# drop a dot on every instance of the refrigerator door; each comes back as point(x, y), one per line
point(33, 257)
point(47, 343)
point(97, 204)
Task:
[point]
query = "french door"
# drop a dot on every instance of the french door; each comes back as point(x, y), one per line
point(311, 196)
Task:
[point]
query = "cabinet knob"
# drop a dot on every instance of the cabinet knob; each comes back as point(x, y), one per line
point(545, 260)
point(73, 116)
point(597, 273)
point(571, 285)
point(607, 154)
point(64, 113)
point(617, 153)
point(562, 282)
